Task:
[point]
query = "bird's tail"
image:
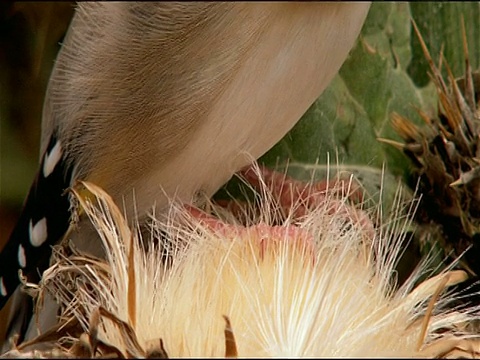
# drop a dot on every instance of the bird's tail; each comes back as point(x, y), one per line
point(44, 220)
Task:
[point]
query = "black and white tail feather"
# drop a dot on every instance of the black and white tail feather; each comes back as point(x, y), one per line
point(44, 220)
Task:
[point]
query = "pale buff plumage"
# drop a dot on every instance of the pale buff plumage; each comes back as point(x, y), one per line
point(326, 291)
point(174, 98)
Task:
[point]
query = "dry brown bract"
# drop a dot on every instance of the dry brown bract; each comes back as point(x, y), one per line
point(446, 156)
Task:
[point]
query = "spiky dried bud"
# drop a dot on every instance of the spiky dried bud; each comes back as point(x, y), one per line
point(444, 154)
point(222, 293)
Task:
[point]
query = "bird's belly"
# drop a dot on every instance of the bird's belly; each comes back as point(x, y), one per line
point(268, 93)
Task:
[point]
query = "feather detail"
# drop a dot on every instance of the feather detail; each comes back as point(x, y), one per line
point(44, 220)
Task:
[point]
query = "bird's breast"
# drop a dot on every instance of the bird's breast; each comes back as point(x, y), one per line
point(191, 107)
point(281, 73)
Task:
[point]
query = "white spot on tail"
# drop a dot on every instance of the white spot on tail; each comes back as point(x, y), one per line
point(38, 233)
point(3, 289)
point(51, 159)
point(22, 260)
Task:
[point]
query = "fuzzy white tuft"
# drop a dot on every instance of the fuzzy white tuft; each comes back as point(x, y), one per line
point(322, 287)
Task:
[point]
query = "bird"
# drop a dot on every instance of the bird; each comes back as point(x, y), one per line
point(159, 100)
